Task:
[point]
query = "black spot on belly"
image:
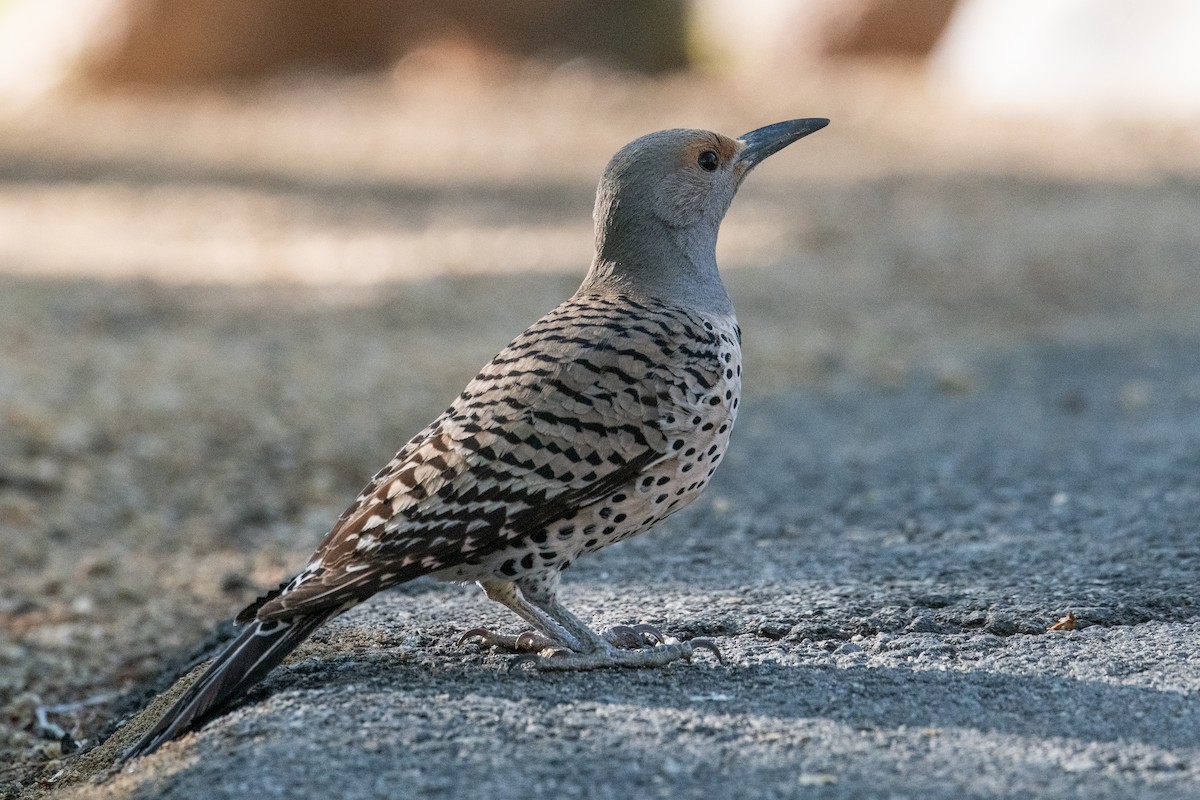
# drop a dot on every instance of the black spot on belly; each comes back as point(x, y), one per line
point(527, 561)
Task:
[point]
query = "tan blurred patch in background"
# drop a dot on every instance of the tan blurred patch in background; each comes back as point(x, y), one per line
point(246, 249)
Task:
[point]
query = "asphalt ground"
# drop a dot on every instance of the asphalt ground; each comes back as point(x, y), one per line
point(880, 569)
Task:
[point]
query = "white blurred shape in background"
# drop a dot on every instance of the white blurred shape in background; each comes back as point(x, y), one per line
point(1131, 59)
point(43, 41)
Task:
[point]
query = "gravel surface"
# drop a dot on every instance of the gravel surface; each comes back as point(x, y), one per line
point(973, 397)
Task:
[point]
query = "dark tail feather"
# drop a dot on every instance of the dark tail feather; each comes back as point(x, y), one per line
point(245, 662)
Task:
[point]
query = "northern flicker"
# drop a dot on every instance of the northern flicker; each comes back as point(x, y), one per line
point(603, 418)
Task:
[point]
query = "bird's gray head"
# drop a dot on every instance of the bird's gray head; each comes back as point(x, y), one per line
point(660, 204)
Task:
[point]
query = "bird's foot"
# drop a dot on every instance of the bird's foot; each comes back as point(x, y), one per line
point(527, 642)
point(610, 656)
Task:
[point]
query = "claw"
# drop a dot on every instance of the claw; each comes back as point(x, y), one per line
point(708, 644)
point(624, 637)
point(633, 637)
point(651, 634)
point(482, 633)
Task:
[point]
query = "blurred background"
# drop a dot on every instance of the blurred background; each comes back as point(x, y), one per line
point(248, 248)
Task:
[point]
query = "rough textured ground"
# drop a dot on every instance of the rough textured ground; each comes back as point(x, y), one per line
point(974, 406)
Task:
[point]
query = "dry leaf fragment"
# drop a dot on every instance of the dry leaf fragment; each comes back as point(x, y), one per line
point(1066, 623)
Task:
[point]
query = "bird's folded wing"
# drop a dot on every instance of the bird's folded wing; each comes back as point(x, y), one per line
point(563, 417)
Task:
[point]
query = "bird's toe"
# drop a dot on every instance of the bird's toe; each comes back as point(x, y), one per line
point(525, 642)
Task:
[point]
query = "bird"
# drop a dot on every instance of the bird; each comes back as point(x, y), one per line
point(603, 418)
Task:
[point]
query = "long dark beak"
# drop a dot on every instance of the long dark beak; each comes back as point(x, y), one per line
point(771, 139)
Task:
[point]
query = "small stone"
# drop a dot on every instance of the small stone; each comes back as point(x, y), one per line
point(1134, 395)
point(1000, 624)
point(83, 605)
point(1080, 764)
point(816, 779)
point(774, 630)
point(953, 378)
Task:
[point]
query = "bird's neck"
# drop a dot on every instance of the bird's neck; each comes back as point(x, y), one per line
point(653, 260)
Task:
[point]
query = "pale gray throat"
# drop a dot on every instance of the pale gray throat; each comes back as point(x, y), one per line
point(648, 258)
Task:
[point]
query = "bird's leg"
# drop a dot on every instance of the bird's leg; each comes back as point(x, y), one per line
point(542, 596)
point(601, 651)
point(547, 635)
point(562, 641)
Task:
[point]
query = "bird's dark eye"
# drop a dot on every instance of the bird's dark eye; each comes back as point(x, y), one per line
point(708, 160)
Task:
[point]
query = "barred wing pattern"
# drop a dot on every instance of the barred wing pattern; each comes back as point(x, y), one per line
point(592, 396)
